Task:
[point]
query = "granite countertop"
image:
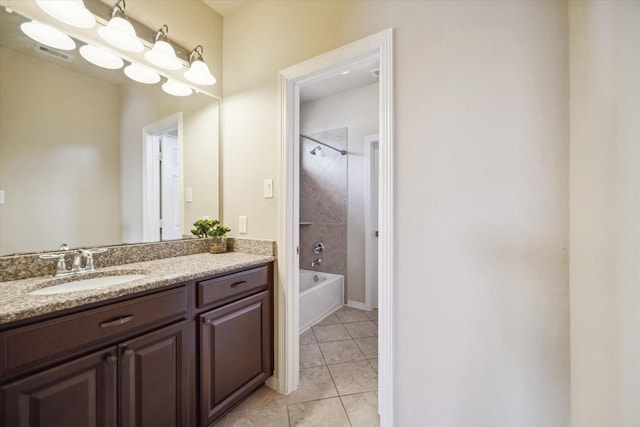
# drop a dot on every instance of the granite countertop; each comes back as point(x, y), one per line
point(17, 304)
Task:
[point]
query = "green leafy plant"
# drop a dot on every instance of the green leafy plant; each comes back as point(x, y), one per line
point(209, 227)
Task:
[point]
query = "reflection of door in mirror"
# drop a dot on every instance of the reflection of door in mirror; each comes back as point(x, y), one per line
point(162, 180)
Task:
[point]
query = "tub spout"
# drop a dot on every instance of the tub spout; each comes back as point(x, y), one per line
point(316, 261)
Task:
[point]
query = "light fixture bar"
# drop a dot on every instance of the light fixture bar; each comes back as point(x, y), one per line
point(103, 11)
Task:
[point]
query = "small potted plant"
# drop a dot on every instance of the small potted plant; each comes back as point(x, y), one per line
point(212, 228)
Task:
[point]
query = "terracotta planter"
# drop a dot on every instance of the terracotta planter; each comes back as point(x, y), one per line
point(217, 245)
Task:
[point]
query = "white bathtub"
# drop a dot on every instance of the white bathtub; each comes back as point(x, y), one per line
point(320, 295)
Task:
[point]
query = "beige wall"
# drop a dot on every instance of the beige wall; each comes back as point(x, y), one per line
point(356, 110)
point(481, 189)
point(61, 186)
point(605, 212)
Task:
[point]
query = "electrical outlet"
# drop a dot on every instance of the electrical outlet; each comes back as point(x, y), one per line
point(242, 225)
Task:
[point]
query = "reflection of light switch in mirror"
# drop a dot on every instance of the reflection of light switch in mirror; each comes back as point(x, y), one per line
point(242, 224)
point(268, 188)
point(1, 197)
point(188, 194)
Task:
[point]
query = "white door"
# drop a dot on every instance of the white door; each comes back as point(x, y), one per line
point(169, 185)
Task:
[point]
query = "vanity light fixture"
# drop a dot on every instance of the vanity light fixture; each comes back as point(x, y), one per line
point(119, 32)
point(141, 74)
point(72, 12)
point(175, 88)
point(45, 34)
point(101, 57)
point(162, 54)
point(198, 72)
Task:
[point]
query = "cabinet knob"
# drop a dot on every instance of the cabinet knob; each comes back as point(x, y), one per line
point(207, 321)
point(111, 359)
point(128, 352)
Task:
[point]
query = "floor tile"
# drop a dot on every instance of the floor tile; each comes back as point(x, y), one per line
point(362, 329)
point(341, 351)
point(331, 319)
point(326, 333)
point(362, 409)
point(319, 413)
point(374, 363)
point(264, 397)
point(311, 356)
point(354, 377)
point(349, 314)
point(315, 383)
point(369, 346)
point(269, 417)
point(307, 337)
point(373, 314)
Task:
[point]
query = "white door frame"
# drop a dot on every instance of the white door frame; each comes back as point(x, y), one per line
point(370, 226)
point(287, 295)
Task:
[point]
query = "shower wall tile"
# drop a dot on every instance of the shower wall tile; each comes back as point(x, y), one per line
point(323, 202)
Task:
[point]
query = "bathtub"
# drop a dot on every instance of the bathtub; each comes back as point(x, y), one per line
point(320, 295)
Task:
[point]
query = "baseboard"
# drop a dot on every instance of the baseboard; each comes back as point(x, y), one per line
point(357, 304)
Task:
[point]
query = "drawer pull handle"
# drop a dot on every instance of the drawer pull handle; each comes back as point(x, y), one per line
point(234, 285)
point(119, 321)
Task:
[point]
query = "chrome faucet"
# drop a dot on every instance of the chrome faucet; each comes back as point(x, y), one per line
point(316, 261)
point(76, 267)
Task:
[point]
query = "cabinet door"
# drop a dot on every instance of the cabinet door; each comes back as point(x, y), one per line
point(78, 393)
point(154, 383)
point(235, 353)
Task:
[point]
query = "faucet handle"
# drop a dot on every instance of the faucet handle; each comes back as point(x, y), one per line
point(61, 266)
point(88, 253)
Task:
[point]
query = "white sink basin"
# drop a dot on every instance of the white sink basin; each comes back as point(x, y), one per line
point(87, 284)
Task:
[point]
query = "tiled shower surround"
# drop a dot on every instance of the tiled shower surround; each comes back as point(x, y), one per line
point(323, 202)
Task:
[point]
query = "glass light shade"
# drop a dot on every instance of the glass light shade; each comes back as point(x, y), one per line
point(120, 33)
point(141, 74)
point(199, 74)
point(101, 58)
point(176, 88)
point(48, 35)
point(70, 12)
point(162, 55)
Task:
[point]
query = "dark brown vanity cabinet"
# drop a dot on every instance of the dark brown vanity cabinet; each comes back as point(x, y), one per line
point(137, 381)
point(179, 357)
point(236, 339)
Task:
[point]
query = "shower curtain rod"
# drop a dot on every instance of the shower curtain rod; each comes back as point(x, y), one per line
point(343, 152)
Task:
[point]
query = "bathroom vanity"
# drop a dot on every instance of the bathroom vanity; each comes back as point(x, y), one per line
point(178, 348)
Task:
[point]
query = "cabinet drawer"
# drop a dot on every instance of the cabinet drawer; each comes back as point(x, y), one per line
point(233, 286)
point(37, 345)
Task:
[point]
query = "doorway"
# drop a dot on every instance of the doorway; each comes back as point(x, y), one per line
point(290, 81)
point(162, 178)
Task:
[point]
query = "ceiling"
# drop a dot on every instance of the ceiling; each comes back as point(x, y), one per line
point(225, 7)
point(359, 75)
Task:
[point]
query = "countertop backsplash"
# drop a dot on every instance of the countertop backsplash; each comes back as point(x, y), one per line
point(25, 266)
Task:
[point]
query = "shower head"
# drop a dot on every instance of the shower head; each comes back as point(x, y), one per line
point(315, 150)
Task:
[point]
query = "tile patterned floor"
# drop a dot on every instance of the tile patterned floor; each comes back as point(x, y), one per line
point(338, 379)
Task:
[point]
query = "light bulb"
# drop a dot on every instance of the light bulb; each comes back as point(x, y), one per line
point(48, 35)
point(120, 33)
point(162, 55)
point(72, 12)
point(141, 74)
point(199, 74)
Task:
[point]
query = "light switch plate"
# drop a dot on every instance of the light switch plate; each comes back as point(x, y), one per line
point(1, 197)
point(242, 225)
point(188, 194)
point(268, 188)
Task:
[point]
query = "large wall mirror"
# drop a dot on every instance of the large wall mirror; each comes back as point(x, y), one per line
point(90, 158)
